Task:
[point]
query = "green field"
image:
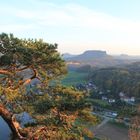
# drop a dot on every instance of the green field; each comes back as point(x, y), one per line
point(100, 102)
point(73, 78)
point(120, 125)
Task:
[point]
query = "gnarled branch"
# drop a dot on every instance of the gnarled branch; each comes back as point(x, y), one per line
point(5, 72)
point(9, 118)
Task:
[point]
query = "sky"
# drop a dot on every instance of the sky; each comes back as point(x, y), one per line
point(76, 25)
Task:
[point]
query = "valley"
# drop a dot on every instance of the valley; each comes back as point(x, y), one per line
point(113, 91)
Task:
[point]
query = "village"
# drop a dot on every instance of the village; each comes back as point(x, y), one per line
point(105, 105)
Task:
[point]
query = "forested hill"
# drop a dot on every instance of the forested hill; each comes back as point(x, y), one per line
point(124, 79)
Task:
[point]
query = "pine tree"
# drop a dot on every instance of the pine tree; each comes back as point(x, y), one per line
point(60, 113)
point(134, 131)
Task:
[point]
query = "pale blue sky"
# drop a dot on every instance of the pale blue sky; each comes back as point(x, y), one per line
point(76, 25)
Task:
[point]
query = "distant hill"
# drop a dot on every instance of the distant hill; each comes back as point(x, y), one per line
point(125, 56)
point(88, 56)
point(97, 58)
point(67, 55)
point(133, 67)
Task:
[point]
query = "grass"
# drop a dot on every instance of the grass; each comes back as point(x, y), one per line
point(96, 139)
point(100, 102)
point(73, 78)
point(118, 124)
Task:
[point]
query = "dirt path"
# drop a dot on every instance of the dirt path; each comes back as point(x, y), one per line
point(102, 123)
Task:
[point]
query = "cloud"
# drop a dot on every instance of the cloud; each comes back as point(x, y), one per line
point(16, 27)
point(71, 22)
point(72, 15)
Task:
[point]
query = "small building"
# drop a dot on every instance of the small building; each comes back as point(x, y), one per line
point(132, 99)
point(111, 114)
point(111, 100)
point(121, 94)
point(100, 92)
point(104, 98)
point(125, 98)
point(108, 91)
point(128, 99)
point(114, 114)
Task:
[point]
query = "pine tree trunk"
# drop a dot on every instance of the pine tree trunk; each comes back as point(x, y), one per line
point(10, 119)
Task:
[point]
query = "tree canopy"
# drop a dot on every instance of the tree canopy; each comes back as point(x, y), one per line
point(125, 79)
point(27, 67)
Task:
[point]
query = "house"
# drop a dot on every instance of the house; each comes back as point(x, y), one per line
point(128, 99)
point(125, 98)
point(121, 94)
point(114, 114)
point(104, 98)
point(111, 114)
point(100, 92)
point(108, 91)
point(111, 100)
point(132, 99)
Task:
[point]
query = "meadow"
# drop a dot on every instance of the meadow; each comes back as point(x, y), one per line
point(74, 77)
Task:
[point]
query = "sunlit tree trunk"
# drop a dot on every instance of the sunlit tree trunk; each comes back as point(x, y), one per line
point(10, 119)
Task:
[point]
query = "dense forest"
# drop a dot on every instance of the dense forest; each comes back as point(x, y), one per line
point(121, 79)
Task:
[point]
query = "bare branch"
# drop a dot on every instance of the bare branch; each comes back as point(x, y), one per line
point(5, 72)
